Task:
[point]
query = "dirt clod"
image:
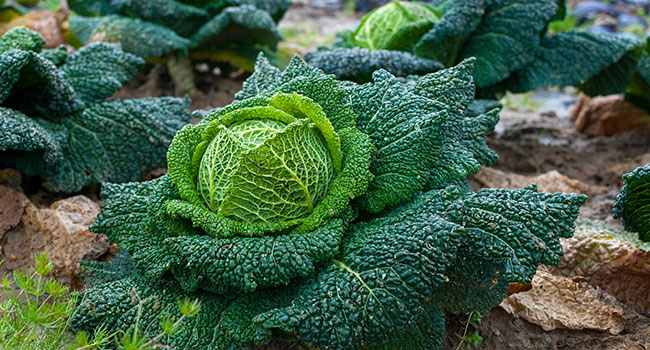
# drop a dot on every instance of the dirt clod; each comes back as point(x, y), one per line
point(61, 231)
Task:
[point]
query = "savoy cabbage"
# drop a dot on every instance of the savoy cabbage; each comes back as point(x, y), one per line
point(329, 211)
point(55, 122)
point(633, 203)
point(510, 39)
point(227, 30)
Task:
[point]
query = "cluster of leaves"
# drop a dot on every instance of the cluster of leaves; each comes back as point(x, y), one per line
point(514, 49)
point(633, 203)
point(37, 310)
point(333, 212)
point(55, 122)
point(227, 30)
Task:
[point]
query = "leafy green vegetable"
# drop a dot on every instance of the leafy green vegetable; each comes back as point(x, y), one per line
point(230, 30)
point(395, 237)
point(391, 25)
point(633, 203)
point(510, 39)
point(56, 124)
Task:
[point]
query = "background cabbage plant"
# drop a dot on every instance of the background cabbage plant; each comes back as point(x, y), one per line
point(327, 211)
point(228, 30)
point(633, 203)
point(55, 122)
point(514, 48)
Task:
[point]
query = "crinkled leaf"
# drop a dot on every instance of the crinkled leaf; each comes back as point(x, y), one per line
point(119, 141)
point(119, 304)
point(241, 25)
point(304, 80)
point(33, 85)
point(358, 64)
point(21, 38)
point(633, 203)
point(517, 228)
point(471, 288)
point(95, 7)
point(454, 89)
point(507, 38)
point(601, 64)
point(184, 19)
point(377, 289)
point(96, 71)
point(395, 26)
point(444, 41)
point(406, 129)
point(22, 133)
point(94, 272)
point(57, 56)
point(475, 128)
point(136, 36)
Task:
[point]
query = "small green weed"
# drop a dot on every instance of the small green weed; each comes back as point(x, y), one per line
point(36, 310)
point(470, 341)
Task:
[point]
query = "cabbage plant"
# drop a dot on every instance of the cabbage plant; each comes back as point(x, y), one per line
point(325, 211)
point(633, 203)
point(511, 40)
point(55, 121)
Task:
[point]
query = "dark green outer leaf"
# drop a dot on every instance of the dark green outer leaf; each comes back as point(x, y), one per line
point(95, 7)
point(98, 70)
point(638, 91)
point(378, 287)
point(136, 36)
point(33, 85)
point(119, 140)
point(57, 56)
point(117, 304)
point(633, 203)
point(22, 133)
point(94, 273)
point(516, 228)
point(507, 38)
point(602, 64)
point(244, 25)
point(181, 18)
point(21, 38)
point(454, 89)
point(358, 64)
point(406, 129)
point(444, 41)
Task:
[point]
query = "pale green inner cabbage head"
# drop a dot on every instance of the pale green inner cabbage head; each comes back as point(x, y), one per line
point(377, 26)
point(265, 171)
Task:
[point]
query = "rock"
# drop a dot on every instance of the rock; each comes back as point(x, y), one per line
point(44, 22)
point(61, 231)
point(559, 302)
point(12, 206)
point(626, 20)
point(328, 4)
point(551, 182)
point(608, 115)
point(618, 262)
point(585, 9)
